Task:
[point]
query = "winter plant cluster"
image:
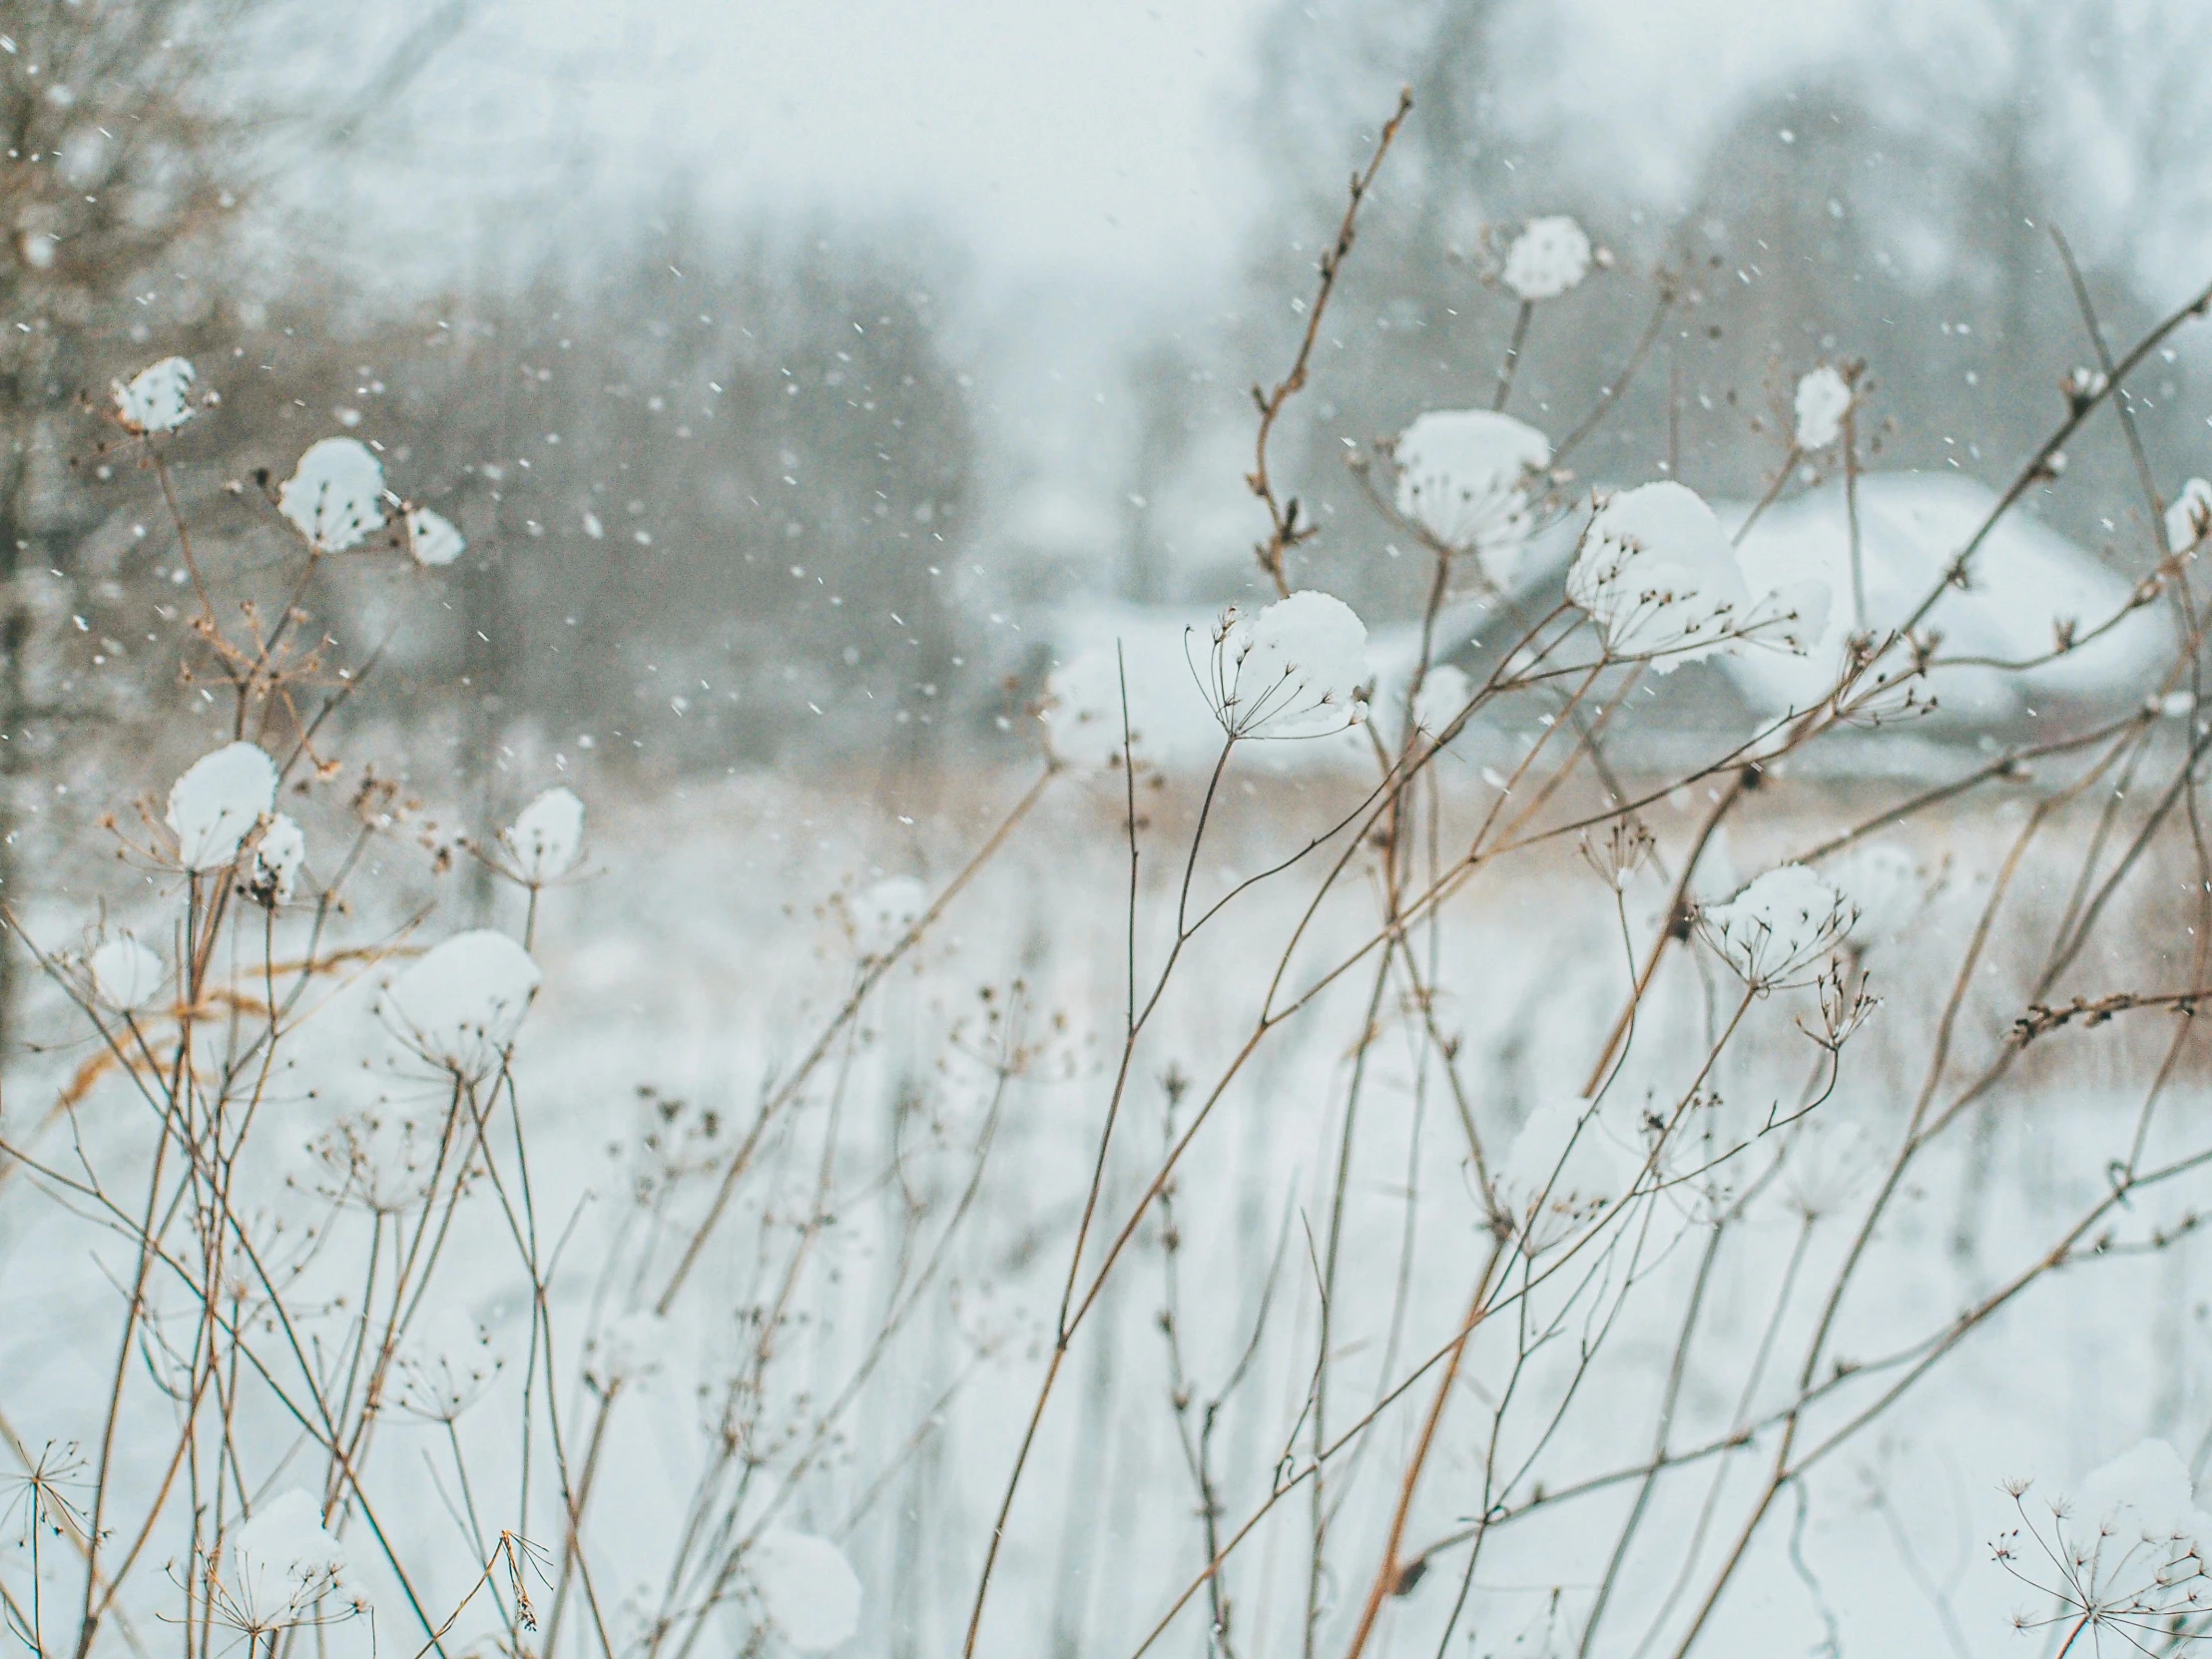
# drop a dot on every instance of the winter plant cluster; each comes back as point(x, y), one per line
point(362, 1391)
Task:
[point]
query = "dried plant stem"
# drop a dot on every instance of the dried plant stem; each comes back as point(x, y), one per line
point(1285, 530)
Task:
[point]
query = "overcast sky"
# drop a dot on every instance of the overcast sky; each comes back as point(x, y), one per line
point(1077, 135)
point(1095, 136)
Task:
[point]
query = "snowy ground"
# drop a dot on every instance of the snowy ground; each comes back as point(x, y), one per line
point(718, 932)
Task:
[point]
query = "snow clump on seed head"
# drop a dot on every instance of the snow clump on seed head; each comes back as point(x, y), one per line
point(1658, 577)
point(807, 1588)
point(546, 838)
point(1563, 1174)
point(1444, 692)
point(125, 975)
point(2189, 519)
point(1082, 714)
point(1823, 400)
point(1467, 477)
point(1548, 258)
point(156, 398)
point(431, 538)
point(2128, 1548)
point(1885, 886)
point(461, 1005)
point(1294, 671)
point(283, 1563)
point(1779, 928)
point(277, 856)
point(336, 496)
point(215, 805)
point(886, 913)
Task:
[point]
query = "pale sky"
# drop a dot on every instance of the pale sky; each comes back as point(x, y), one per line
point(1079, 134)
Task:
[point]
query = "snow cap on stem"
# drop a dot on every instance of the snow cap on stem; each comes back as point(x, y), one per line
point(1296, 669)
point(1778, 930)
point(335, 495)
point(1468, 477)
point(1548, 258)
point(215, 805)
point(461, 1005)
point(156, 398)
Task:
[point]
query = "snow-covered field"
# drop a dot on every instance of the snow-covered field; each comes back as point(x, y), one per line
point(865, 1335)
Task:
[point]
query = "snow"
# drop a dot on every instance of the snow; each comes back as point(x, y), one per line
point(1564, 1173)
point(1466, 476)
point(1884, 883)
point(282, 1564)
point(2189, 519)
point(808, 1589)
point(885, 914)
point(1548, 258)
point(156, 398)
point(2144, 1492)
point(277, 857)
point(460, 1006)
point(1444, 692)
point(1083, 712)
point(218, 801)
point(125, 975)
point(1779, 926)
point(431, 538)
point(1662, 582)
point(445, 1366)
point(336, 496)
point(1823, 400)
point(378, 1160)
point(1657, 576)
point(627, 1349)
point(1294, 671)
point(546, 838)
point(2024, 577)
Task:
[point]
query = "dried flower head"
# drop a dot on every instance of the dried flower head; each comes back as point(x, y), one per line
point(1470, 478)
point(446, 1366)
point(1082, 714)
point(1885, 883)
point(885, 914)
point(1565, 1172)
point(2189, 519)
point(382, 1161)
point(1297, 670)
point(807, 1590)
point(1658, 577)
point(461, 1005)
point(1548, 258)
point(218, 801)
point(334, 498)
point(1444, 693)
point(156, 398)
point(2125, 1556)
point(546, 838)
point(1778, 929)
point(125, 975)
point(1624, 849)
point(1823, 400)
point(1824, 1159)
point(284, 1565)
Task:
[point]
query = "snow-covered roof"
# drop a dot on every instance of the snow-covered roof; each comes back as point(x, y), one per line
point(2024, 581)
